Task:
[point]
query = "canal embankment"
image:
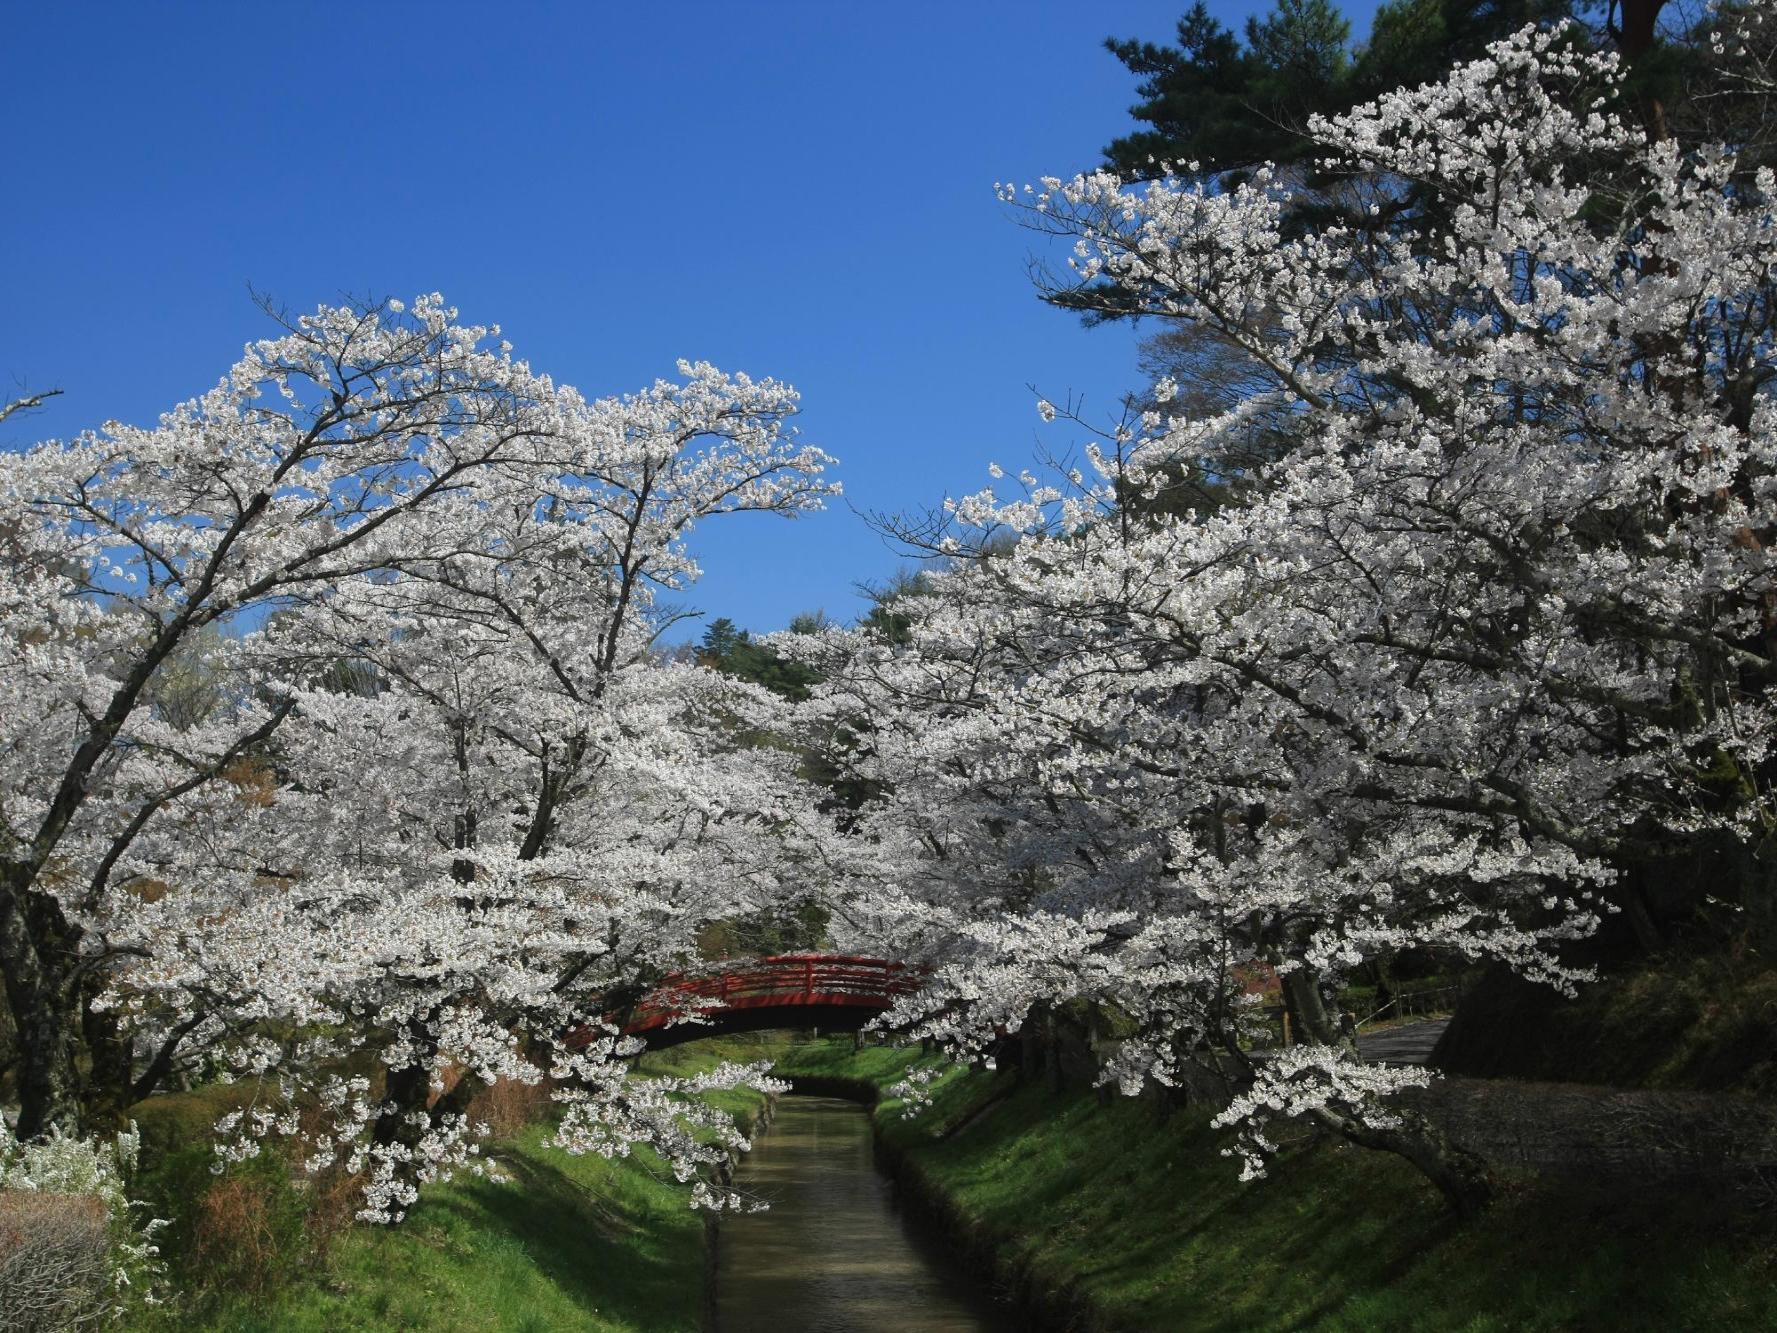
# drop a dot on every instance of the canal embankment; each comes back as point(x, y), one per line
point(562, 1243)
point(1080, 1210)
point(1099, 1213)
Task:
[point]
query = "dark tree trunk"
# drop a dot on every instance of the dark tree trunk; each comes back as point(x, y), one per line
point(45, 1005)
point(1636, 36)
point(1636, 32)
point(456, 1101)
point(411, 1112)
point(110, 1071)
point(405, 1093)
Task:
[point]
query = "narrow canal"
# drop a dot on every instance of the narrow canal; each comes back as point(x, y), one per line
point(833, 1254)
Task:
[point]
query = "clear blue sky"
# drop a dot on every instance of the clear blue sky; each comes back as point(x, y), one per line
point(799, 190)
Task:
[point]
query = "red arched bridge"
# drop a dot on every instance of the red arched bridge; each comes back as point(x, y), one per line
point(841, 993)
point(833, 992)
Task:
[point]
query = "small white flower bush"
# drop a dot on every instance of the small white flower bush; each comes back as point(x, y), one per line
point(74, 1248)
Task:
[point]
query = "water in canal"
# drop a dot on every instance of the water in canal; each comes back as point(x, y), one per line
point(833, 1254)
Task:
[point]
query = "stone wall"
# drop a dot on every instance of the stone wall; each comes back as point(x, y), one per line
point(1715, 1140)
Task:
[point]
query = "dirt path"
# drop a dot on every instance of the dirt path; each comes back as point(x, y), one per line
point(1409, 1044)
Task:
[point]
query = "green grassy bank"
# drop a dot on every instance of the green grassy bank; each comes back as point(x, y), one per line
point(569, 1243)
point(1118, 1216)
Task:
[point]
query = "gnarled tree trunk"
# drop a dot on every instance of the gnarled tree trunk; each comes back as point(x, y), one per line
point(1461, 1176)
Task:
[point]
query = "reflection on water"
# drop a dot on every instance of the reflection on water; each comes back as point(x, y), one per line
point(832, 1254)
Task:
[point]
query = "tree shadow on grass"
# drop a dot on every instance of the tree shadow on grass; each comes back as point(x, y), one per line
point(1142, 1211)
point(605, 1254)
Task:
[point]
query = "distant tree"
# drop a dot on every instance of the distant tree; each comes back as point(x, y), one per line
point(721, 640)
point(191, 684)
point(885, 619)
point(1413, 42)
point(795, 922)
point(1217, 109)
point(1195, 101)
point(1225, 106)
point(731, 650)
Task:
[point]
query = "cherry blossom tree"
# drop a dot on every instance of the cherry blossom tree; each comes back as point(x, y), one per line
point(569, 810)
point(439, 805)
point(306, 465)
point(1495, 627)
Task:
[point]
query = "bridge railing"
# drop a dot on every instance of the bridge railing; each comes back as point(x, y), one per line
point(780, 980)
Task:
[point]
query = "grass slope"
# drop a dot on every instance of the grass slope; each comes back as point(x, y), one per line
point(569, 1243)
point(1136, 1221)
point(1707, 1021)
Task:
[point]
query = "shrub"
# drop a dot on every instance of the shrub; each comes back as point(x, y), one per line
point(508, 1105)
point(73, 1249)
point(249, 1231)
point(243, 1229)
point(55, 1253)
point(252, 1227)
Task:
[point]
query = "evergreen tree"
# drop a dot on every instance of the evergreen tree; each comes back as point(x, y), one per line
point(731, 650)
point(1226, 106)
